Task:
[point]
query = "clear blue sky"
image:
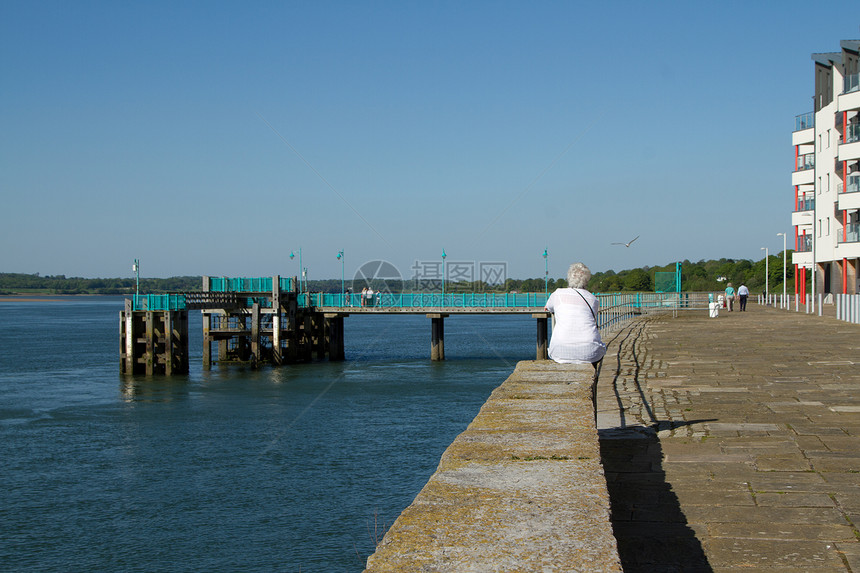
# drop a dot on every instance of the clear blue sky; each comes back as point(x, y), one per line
point(214, 138)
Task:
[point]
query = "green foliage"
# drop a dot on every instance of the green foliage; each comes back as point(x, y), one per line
point(59, 284)
point(701, 276)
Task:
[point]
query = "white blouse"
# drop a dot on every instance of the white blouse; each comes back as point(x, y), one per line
point(575, 337)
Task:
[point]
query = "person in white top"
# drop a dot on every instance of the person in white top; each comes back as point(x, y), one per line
point(575, 336)
point(743, 294)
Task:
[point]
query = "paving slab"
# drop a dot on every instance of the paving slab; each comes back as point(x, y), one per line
point(733, 443)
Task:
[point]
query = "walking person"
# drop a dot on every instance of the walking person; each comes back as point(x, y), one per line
point(743, 294)
point(730, 296)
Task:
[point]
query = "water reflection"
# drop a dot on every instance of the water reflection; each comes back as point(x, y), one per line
point(154, 389)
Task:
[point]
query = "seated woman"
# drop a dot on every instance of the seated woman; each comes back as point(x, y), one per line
point(575, 337)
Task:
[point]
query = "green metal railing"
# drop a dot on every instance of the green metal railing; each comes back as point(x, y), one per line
point(158, 302)
point(430, 300)
point(259, 284)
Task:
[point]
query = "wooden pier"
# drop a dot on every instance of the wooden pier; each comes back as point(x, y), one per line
point(267, 320)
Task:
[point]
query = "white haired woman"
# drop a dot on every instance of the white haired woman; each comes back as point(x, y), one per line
point(575, 337)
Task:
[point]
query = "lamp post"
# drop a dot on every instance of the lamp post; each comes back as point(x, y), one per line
point(443, 277)
point(340, 257)
point(545, 272)
point(136, 269)
point(301, 268)
point(784, 262)
point(765, 274)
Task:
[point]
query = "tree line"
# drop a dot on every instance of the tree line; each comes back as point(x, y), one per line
point(701, 276)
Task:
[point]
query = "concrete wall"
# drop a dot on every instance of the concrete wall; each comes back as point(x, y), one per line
point(522, 489)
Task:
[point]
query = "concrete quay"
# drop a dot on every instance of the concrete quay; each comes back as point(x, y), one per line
point(733, 443)
point(521, 489)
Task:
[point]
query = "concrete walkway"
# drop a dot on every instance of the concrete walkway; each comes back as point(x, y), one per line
point(733, 443)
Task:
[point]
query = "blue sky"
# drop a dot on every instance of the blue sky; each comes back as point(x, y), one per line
point(214, 138)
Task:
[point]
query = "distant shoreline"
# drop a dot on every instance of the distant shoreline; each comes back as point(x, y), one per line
point(28, 297)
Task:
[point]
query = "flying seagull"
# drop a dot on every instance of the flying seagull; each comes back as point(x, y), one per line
point(627, 244)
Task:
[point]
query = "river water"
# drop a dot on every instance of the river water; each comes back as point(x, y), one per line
point(298, 468)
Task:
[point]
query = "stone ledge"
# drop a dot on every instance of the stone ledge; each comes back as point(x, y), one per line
point(521, 489)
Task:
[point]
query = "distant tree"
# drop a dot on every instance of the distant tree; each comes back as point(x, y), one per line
point(637, 280)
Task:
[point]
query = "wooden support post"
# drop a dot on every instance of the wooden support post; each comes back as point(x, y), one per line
point(129, 334)
point(437, 336)
point(149, 355)
point(167, 326)
point(255, 333)
point(336, 350)
point(207, 341)
point(277, 356)
point(320, 336)
point(542, 330)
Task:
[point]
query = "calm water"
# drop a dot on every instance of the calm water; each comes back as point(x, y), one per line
point(298, 468)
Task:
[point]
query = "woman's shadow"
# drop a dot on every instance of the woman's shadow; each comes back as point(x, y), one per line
point(651, 530)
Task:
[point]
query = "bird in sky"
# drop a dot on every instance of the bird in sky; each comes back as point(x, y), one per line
point(627, 244)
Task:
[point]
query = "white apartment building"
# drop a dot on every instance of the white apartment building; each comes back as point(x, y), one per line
point(826, 177)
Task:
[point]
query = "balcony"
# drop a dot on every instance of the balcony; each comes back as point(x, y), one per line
point(853, 185)
point(804, 173)
point(852, 233)
point(805, 162)
point(849, 99)
point(805, 205)
point(849, 197)
point(804, 244)
point(804, 121)
point(803, 216)
point(851, 83)
point(852, 133)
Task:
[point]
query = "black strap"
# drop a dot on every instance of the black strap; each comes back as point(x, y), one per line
point(588, 305)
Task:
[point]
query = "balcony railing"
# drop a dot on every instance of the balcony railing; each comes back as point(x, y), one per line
point(804, 121)
point(852, 133)
point(804, 243)
point(852, 233)
point(853, 185)
point(805, 162)
point(805, 205)
point(851, 83)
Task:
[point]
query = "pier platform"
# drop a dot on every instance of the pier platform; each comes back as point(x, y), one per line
point(733, 443)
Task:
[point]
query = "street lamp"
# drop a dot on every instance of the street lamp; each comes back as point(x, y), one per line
point(292, 256)
point(340, 257)
point(136, 270)
point(765, 273)
point(443, 276)
point(784, 261)
point(545, 272)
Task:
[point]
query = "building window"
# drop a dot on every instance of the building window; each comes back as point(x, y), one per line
point(828, 147)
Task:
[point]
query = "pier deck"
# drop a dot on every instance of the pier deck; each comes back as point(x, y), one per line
point(733, 443)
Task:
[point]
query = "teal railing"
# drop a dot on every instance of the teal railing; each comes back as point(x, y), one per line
point(431, 300)
point(158, 302)
point(613, 306)
point(259, 284)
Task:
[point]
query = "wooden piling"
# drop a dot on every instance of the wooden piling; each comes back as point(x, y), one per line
point(542, 336)
point(437, 336)
point(153, 342)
